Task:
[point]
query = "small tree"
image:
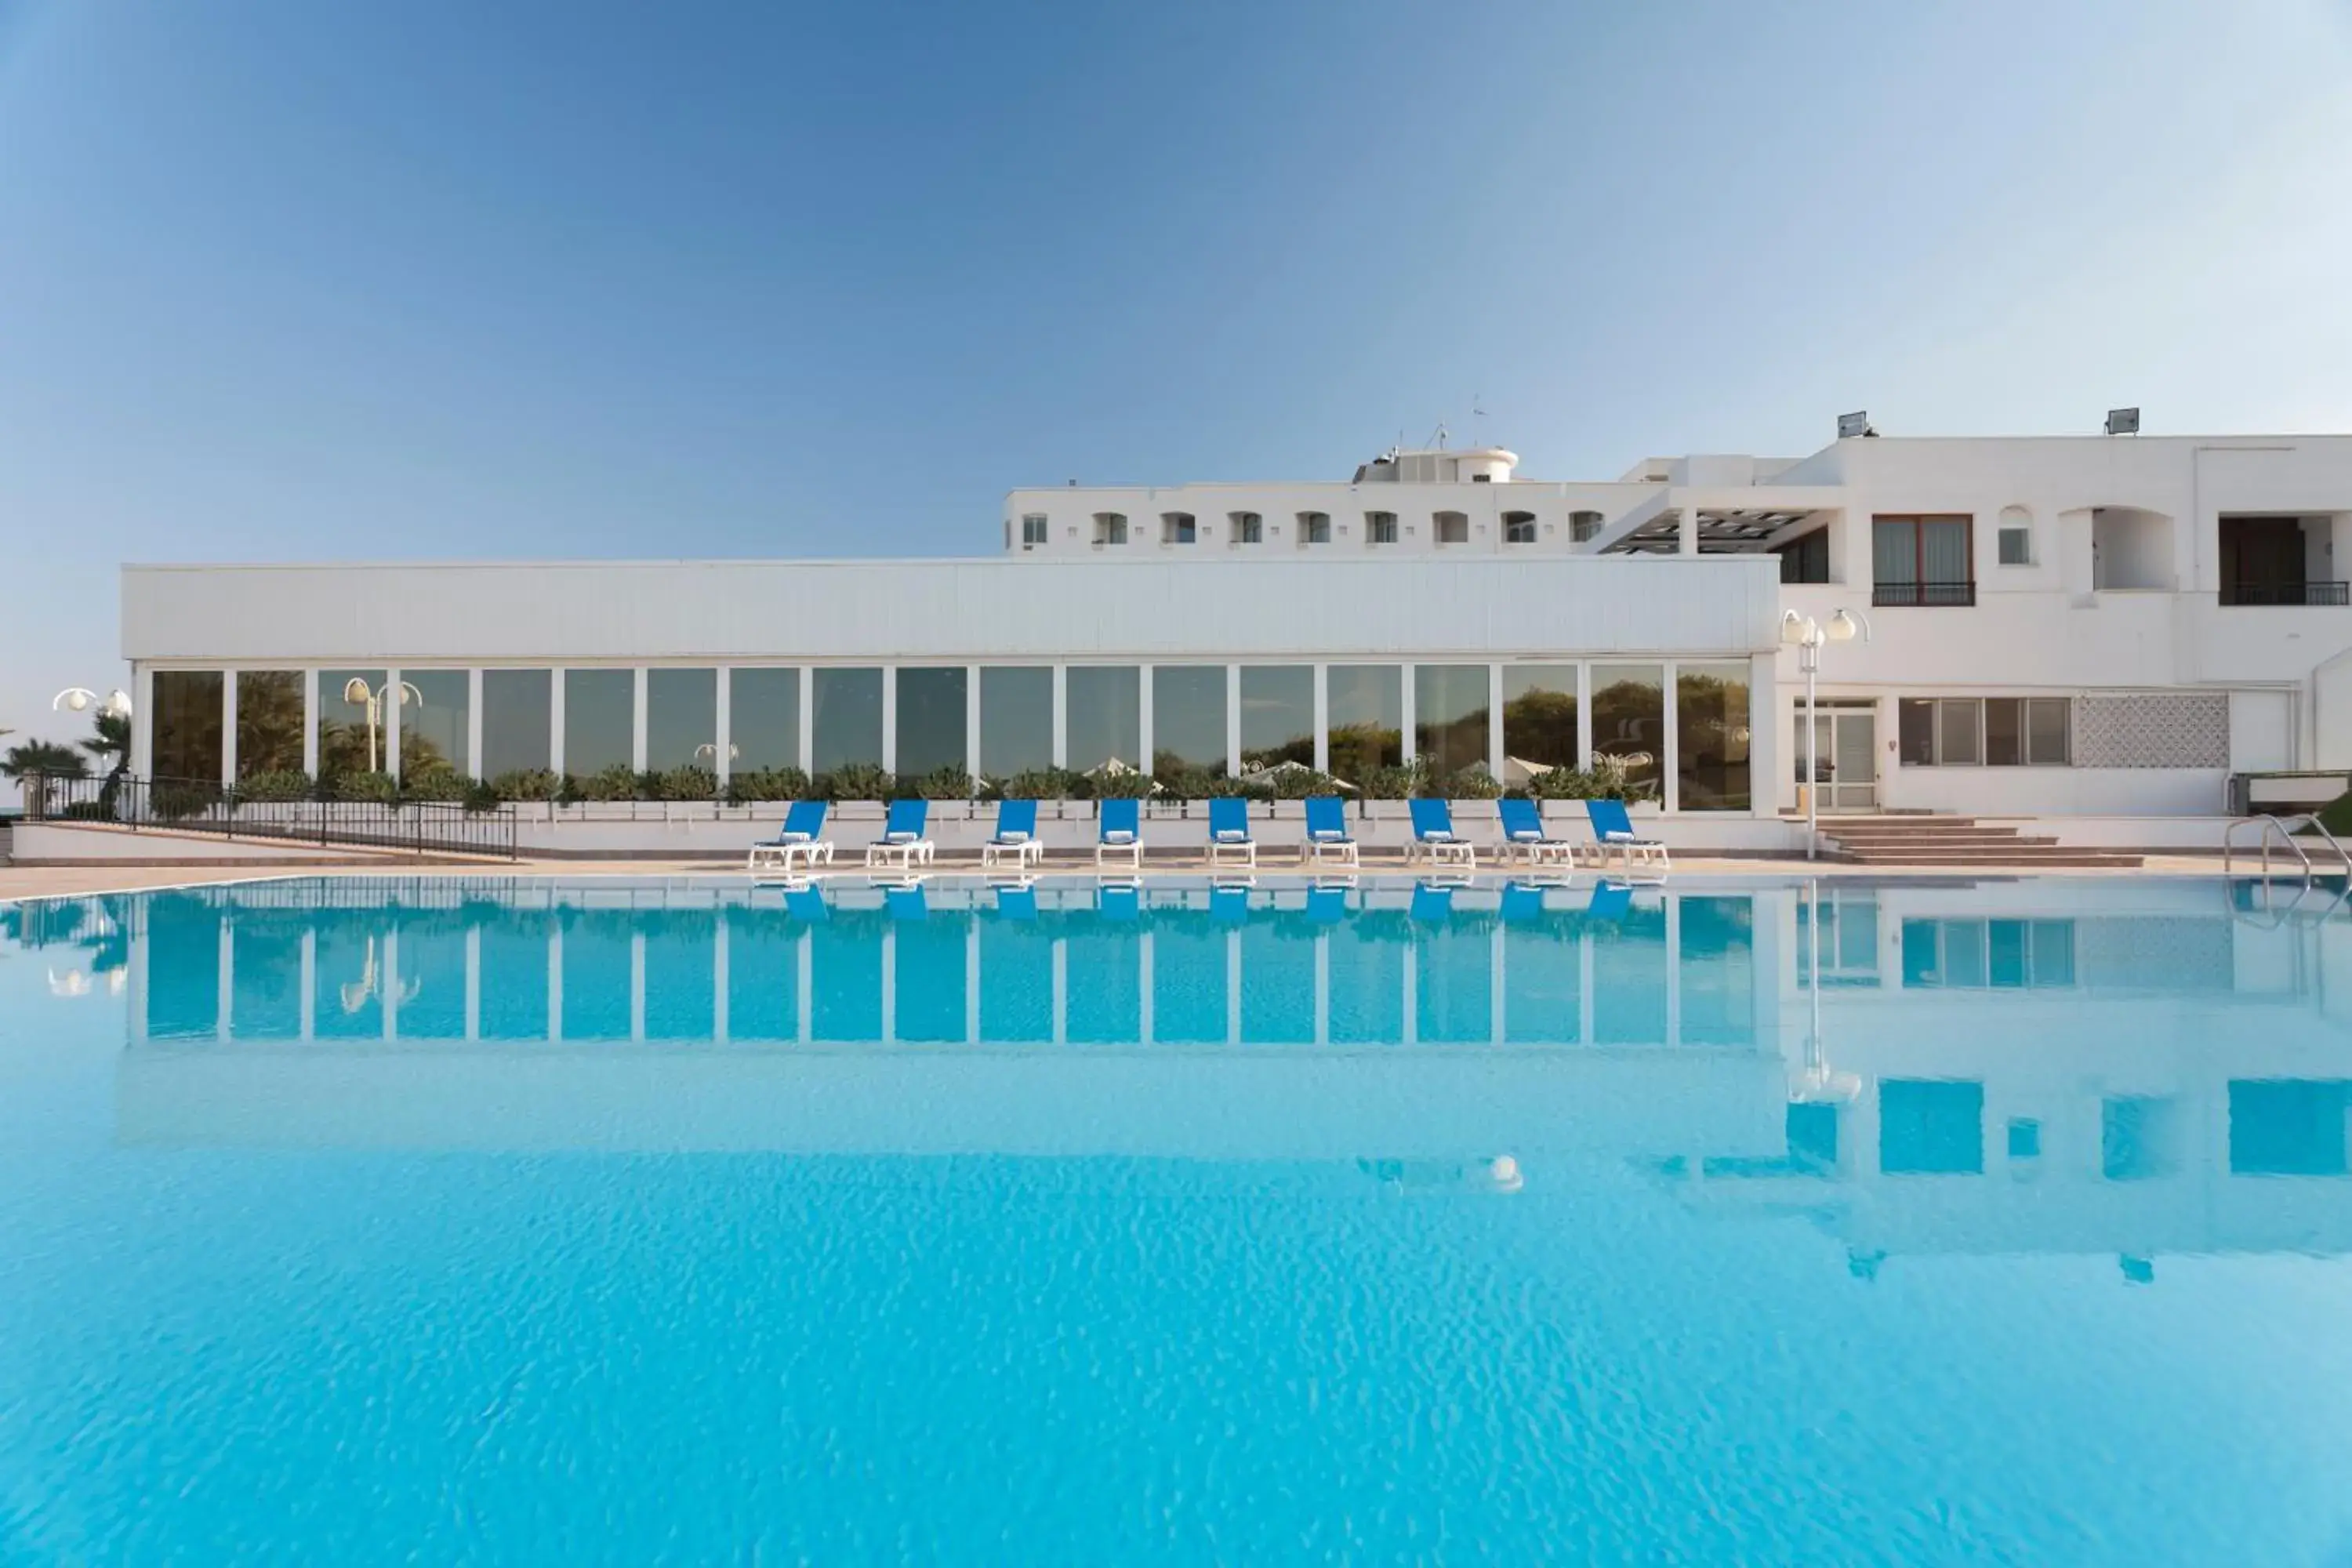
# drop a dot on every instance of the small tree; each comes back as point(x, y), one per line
point(45, 757)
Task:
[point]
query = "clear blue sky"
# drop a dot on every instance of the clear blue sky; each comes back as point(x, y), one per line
point(286, 280)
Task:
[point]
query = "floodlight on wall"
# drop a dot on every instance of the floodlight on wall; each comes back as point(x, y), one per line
point(1854, 424)
point(2123, 421)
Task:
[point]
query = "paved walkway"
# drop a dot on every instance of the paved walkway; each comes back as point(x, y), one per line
point(65, 881)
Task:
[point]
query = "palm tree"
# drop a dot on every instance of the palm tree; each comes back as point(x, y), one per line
point(110, 740)
point(43, 757)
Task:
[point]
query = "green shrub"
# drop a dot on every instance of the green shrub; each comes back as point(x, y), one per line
point(1473, 783)
point(616, 783)
point(440, 783)
point(1299, 784)
point(1048, 784)
point(527, 783)
point(481, 795)
point(857, 781)
point(767, 784)
point(949, 783)
point(364, 786)
point(1186, 782)
point(278, 784)
point(1128, 785)
point(686, 782)
point(1390, 780)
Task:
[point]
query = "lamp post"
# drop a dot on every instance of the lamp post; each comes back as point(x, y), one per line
point(357, 691)
point(78, 700)
point(1808, 635)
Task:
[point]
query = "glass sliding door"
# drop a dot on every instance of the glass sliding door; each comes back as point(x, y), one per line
point(185, 737)
point(350, 721)
point(1278, 715)
point(846, 708)
point(1364, 705)
point(1188, 719)
point(1629, 719)
point(434, 722)
point(764, 719)
point(681, 719)
point(599, 721)
point(932, 719)
point(1451, 703)
point(518, 706)
point(1016, 720)
point(1539, 720)
point(268, 721)
point(1106, 716)
point(1712, 738)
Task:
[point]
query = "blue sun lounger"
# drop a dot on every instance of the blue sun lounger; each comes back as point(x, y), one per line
point(1433, 837)
point(1120, 833)
point(796, 843)
point(1327, 832)
point(1229, 843)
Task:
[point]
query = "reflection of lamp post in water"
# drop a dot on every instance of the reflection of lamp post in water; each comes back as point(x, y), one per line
point(1818, 1085)
point(708, 753)
point(356, 691)
point(1808, 635)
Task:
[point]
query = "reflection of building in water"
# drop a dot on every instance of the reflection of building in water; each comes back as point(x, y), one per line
point(1185, 1019)
point(2087, 1067)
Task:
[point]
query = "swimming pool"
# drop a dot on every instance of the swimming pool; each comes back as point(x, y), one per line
point(641, 1220)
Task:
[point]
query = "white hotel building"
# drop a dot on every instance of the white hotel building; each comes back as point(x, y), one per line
point(2066, 628)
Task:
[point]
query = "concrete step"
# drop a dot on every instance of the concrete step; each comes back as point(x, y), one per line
point(1896, 836)
point(2039, 855)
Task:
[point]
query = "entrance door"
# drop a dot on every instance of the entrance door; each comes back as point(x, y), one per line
point(1846, 742)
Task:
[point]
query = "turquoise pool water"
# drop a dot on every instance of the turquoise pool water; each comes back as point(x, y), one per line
point(651, 1221)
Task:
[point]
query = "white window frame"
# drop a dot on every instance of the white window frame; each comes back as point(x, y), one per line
point(1035, 530)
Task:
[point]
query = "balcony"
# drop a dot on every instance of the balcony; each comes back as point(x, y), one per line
point(2285, 593)
point(1925, 596)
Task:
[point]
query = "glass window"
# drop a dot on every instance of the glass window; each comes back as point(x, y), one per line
point(1805, 559)
point(1277, 714)
point(1188, 717)
point(599, 721)
point(1032, 531)
point(1450, 707)
point(1177, 528)
point(433, 722)
point(186, 733)
point(1365, 708)
point(847, 723)
point(1518, 528)
point(515, 721)
point(764, 719)
point(1106, 716)
point(1915, 725)
point(1583, 525)
point(1959, 722)
point(350, 721)
point(1249, 528)
point(1453, 528)
point(2049, 741)
point(1314, 528)
point(1539, 720)
point(2004, 732)
point(1110, 528)
point(1712, 735)
point(932, 718)
point(682, 718)
point(1016, 720)
point(268, 721)
point(1629, 717)
point(2016, 547)
point(1921, 561)
point(1380, 528)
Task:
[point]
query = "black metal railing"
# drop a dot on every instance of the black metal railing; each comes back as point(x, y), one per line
point(196, 805)
point(1945, 596)
point(2285, 593)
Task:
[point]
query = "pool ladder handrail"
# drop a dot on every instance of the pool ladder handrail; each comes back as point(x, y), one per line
point(2272, 825)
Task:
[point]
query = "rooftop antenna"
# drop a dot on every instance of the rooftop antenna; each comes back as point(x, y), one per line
point(1437, 439)
point(1477, 421)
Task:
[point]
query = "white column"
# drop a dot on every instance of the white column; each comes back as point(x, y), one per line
point(807, 742)
point(719, 987)
point(1584, 713)
point(638, 687)
point(803, 976)
point(889, 725)
point(1234, 988)
point(722, 738)
point(971, 720)
point(1494, 720)
point(311, 722)
point(637, 985)
point(555, 722)
point(1061, 724)
point(1765, 773)
point(1143, 988)
point(1496, 990)
point(225, 982)
point(1585, 971)
point(228, 727)
point(1061, 991)
point(1234, 719)
point(308, 1028)
point(474, 724)
point(473, 983)
point(142, 722)
point(889, 985)
point(1322, 719)
point(1686, 531)
point(971, 977)
point(389, 978)
point(555, 983)
point(1673, 969)
point(1412, 1022)
point(1323, 988)
point(1143, 678)
point(1405, 698)
point(1670, 750)
point(392, 714)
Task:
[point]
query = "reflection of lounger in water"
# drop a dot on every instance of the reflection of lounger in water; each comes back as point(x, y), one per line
point(1499, 1175)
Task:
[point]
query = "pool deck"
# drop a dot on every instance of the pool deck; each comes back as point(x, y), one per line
point(73, 882)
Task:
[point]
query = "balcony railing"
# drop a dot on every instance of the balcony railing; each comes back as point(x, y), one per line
point(2285, 593)
point(1950, 595)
